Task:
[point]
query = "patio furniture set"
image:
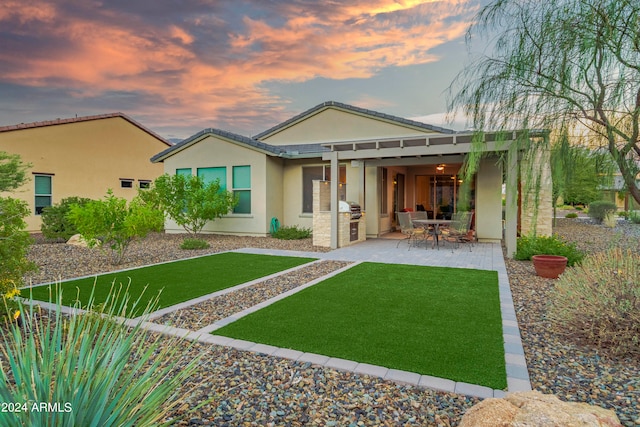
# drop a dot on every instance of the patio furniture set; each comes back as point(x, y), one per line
point(418, 228)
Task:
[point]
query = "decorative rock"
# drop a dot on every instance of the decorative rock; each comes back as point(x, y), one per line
point(78, 240)
point(533, 408)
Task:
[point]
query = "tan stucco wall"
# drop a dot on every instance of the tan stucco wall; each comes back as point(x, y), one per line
point(337, 125)
point(86, 159)
point(216, 152)
point(489, 201)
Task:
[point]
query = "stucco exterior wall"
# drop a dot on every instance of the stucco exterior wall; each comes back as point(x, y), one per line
point(215, 152)
point(337, 125)
point(84, 158)
point(489, 201)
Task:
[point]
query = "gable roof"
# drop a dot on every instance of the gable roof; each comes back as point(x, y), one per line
point(55, 122)
point(287, 151)
point(361, 111)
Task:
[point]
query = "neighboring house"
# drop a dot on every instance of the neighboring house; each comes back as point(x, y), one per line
point(83, 156)
point(385, 163)
point(617, 193)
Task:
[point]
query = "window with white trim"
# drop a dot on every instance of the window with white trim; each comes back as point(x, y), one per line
point(43, 192)
point(242, 189)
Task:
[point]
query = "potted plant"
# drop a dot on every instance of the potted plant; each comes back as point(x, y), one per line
point(550, 255)
point(549, 266)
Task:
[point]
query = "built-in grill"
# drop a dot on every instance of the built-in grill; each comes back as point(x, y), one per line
point(351, 207)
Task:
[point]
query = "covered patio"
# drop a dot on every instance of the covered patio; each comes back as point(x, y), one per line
point(419, 171)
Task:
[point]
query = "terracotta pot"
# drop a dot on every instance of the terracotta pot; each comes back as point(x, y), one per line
point(549, 266)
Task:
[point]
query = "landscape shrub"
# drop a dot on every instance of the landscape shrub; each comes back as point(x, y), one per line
point(292, 233)
point(623, 214)
point(99, 371)
point(14, 244)
point(194, 244)
point(599, 209)
point(578, 208)
point(55, 223)
point(114, 223)
point(529, 246)
point(571, 215)
point(634, 217)
point(598, 302)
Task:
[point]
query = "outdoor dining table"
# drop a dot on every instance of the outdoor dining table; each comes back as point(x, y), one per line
point(436, 227)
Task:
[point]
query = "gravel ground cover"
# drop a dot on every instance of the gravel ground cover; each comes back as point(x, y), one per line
point(253, 389)
point(200, 315)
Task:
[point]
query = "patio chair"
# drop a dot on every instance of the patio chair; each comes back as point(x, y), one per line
point(406, 227)
point(458, 230)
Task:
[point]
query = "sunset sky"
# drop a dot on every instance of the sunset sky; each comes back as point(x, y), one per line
point(179, 66)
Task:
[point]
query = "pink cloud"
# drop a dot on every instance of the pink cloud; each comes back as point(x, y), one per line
point(113, 52)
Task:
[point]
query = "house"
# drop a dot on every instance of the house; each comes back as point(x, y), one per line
point(382, 162)
point(82, 156)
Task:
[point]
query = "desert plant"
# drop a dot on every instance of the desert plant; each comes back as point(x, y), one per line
point(194, 244)
point(113, 223)
point(189, 200)
point(14, 243)
point(529, 246)
point(291, 233)
point(96, 369)
point(55, 223)
point(600, 209)
point(598, 302)
point(571, 215)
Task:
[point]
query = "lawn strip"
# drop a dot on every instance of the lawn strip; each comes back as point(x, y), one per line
point(436, 321)
point(179, 281)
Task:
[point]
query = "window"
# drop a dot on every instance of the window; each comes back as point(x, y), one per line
point(126, 183)
point(183, 171)
point(211, 174)
point(144, 183)
point(42, 192)
point(242, 189)
point(313, 173)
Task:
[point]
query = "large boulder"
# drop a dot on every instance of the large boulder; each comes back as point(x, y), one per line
point(78, 240)
point(534, 409)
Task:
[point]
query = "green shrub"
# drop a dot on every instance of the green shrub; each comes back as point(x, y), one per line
point(529, 246)
point(14, 244)
point(634, 216)
point(571, 215)
point(599, 209)
point(623, 214)
point(99, 370)
point(114, 223)
point(292, 233)
point(578, 208)
point(55, 223)
point(194, 244)
point(598, 302)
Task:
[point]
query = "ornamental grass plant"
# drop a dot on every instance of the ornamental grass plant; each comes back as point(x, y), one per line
point(598, 302)
point(90, 369)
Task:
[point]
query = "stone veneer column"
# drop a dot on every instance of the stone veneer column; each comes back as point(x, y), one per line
point(536, 186)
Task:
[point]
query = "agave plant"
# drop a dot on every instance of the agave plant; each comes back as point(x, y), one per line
point(90, 369)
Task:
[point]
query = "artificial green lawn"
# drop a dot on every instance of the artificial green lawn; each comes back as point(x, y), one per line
point(437, 321)
point(179, 281)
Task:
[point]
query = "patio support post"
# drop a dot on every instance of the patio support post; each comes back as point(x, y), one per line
point(335, 177)
point(361, 187)
point(511, 202)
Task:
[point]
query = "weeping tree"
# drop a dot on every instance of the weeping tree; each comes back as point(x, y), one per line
point(570, 66)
